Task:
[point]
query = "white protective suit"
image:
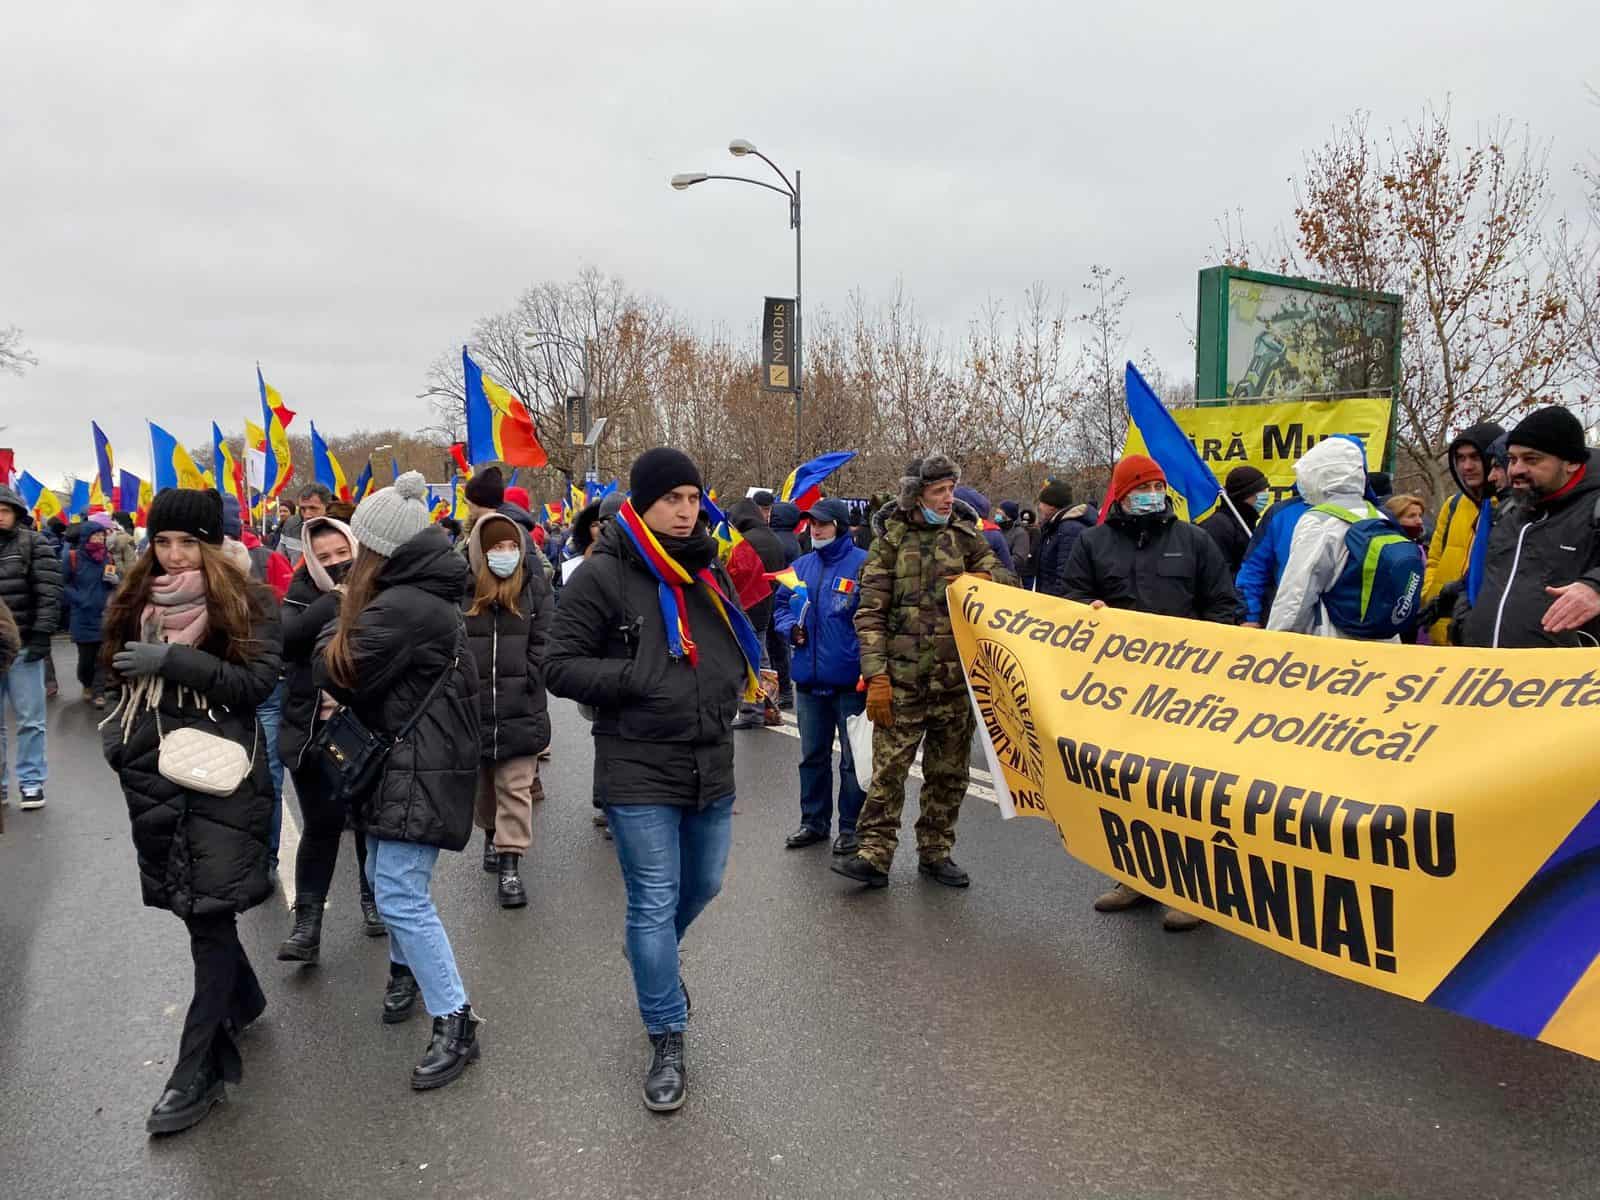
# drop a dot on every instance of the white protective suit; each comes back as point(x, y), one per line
point(1333, 471)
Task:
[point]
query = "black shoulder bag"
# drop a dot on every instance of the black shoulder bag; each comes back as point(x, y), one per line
point(351, 756)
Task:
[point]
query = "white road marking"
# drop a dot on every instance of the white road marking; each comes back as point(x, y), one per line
point(982, 781)
point(288, 844)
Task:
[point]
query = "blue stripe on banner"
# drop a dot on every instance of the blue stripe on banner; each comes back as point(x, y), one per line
point(1521, 970)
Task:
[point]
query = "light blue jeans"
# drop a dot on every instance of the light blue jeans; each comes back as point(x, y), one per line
point(23, 685)
point(270, 713)
point(400, 874)
point(672, 862)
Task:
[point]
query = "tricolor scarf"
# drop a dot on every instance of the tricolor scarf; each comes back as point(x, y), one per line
point(670, 580)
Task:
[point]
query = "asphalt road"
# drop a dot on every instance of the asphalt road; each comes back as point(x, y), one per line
point(1004, 1041)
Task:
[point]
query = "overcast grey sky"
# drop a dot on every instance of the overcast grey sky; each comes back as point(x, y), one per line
point(339, 190)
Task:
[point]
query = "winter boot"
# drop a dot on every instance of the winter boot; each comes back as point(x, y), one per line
point(454, 1044)
point(666, 1084)
point(304, 943)
point(1119, 899)
point(400, 997)
point(491, 860)
point(512, 893)
point(371, 920)
point(180, 1108)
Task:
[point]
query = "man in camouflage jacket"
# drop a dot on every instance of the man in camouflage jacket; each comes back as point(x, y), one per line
point(915, 690)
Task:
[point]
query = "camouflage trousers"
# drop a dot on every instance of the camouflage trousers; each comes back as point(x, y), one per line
point(944, 729)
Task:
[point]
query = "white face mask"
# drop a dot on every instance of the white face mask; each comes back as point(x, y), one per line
point(818, 543)
point(1145, 504)
point(504, 563)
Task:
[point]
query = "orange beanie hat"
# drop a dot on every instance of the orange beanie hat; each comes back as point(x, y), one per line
point(1128, 474)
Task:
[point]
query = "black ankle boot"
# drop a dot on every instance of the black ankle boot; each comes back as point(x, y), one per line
point(304, 943)
point(491, 860)
point(454, 1044)
point(371, 920)
point(180, 1108)
point(666, 1086)
point(400, 997)
point(512, 893)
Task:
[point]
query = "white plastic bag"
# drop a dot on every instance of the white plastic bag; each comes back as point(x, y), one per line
point(860, 731)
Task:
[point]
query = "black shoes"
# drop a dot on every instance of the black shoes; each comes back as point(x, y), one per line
point(804, 837)
point(857, 868)
point(452, 1047)
point(846, 843)
point(666, 1084)
point(400, 997)
point(512, 893)
point(30, 798)
point(491, 860)
point(786, 701)
point(304, 943)
point(181, 1108)
point(946, 872)
point(372, 923)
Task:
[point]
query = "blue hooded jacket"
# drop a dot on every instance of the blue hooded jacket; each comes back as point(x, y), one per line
point(830, 660)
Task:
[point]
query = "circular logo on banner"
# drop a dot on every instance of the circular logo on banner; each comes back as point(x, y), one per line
point(1001, 687)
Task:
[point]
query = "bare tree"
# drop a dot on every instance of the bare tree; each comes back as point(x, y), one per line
point(1021, 378)
point(15, 358)
point(1101, 407)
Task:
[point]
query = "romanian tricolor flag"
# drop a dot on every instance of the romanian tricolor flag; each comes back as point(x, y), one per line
point(105, 467)
point(554, 511)
point(787, 578)
point(78, 505)
point(170, 463)
point(363, 484)
point(275, 440)
point(44, 503)
point(326, 467)
point(721, 528)
point(499, 426)
point(133, 496)
point(229, 471)
point(803, 487)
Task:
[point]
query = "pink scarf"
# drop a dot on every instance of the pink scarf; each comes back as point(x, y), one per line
point(177, 610)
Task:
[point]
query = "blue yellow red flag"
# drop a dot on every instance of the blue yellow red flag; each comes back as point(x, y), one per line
point(104, 461)
point(129, 489)
point(499, 426)
point(226, 469)
point(326, 467)
point(279, 462)
point(803, 487)
point(78, 504)
point(171, 466)
point(41, 501)
point(363, 484)
point(1186, 472)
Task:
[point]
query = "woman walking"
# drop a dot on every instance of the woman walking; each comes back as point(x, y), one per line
point(194, 645)
point(508, 621)
point(91, 578)
point(311, 605)
point(397, 657)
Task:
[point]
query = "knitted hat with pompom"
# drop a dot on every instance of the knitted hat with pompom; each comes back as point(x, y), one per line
point(388, 519)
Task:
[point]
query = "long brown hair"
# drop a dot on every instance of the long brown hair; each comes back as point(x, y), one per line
point(359, 588)
point(233, 605)
point(489, 588)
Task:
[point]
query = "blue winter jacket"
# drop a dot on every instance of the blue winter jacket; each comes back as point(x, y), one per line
point(1266, 557)
point(85, 593)
point(831, 658)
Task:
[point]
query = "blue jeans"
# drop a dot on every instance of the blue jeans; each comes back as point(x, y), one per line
point(400, 874)
point(270, 714)
point(820, 716)
point(672, 861)
point(24, 686)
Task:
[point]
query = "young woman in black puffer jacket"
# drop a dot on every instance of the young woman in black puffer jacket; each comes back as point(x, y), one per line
point(398, 635)
point(192, 643)
point(508, 622)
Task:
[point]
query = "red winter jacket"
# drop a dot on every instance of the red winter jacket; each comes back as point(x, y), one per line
point(279, 574)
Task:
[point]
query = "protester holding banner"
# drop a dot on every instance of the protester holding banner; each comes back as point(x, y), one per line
point(1451, 548)
point(1233, 523)
point(1143, 558)
point(1541, 572)
point(916, 692)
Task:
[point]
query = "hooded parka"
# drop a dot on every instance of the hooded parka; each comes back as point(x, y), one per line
point(310, 606)
point(1450, 550)
point(508, 649)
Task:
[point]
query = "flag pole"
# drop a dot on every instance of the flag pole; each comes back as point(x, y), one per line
point(1228, 500)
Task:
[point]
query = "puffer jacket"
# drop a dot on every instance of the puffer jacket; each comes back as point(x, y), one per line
point(202, 855)
point(408, 634)
point(785, 520)
point(902, 620)
point(1152, 564)
point(86, 593)
point(10, 640)
point(1334, 472)
point(1057, 537)
point(831, 658)
point(1020, 542)
point(1534, 546)
point(1450, 551)
point(30, 578)
point(508, 649)
point(662, 727)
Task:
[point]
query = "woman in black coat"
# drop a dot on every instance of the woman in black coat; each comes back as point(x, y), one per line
point(192, 643)
point(311, 605)
point(508, 621)
point(397, 657)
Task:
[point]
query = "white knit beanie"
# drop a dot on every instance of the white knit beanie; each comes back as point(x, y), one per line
point(388, 519)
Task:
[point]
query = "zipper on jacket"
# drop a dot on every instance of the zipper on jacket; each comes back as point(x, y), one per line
point(1516, 561)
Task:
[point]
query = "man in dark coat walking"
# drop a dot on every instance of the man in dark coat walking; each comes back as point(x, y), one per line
point(30, 586)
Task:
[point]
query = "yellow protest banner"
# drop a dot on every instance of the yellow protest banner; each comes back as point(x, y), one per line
point(1421, 820)
point(1271, 437)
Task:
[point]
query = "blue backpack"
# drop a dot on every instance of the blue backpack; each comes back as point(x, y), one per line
point(1378, 594)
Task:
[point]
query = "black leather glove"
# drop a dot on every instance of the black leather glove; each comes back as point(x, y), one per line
point(140, 658)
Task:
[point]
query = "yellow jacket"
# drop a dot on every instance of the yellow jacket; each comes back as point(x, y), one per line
point(1448, 555)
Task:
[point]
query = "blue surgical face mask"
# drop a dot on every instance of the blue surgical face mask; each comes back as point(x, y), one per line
point(1263, 499)
point(933, 518)
point(1145, 504)
point(504, 563)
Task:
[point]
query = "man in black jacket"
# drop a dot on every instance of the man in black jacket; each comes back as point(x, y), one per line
point(1231, 527)
point(30, 586)
point(1144, 558)
point(664, 697)
point(1541, 581)
point(1061, 525)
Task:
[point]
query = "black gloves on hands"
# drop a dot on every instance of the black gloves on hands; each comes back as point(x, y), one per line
point(140, 658)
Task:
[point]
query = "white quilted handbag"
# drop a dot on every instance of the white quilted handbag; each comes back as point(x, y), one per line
point(203, 762)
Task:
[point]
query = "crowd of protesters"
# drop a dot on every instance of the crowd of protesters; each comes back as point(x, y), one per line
point(398, 669)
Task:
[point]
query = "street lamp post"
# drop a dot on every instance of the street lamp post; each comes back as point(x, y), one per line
point(739, 148)
point(537, 340)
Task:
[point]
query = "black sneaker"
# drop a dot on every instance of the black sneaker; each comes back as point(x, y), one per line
point(30, 799)
point(666, 1083)
point(857, 868)
point(946, 872)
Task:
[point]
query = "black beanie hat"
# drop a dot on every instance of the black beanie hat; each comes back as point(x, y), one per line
point(1244, 482)
point(486, 489)
point(1552, 430)
point(1056, 493)
point(656, 472)
point(195, 511)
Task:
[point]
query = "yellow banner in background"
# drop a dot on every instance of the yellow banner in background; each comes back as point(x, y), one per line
point(1271, 437)
point(1416, 819)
